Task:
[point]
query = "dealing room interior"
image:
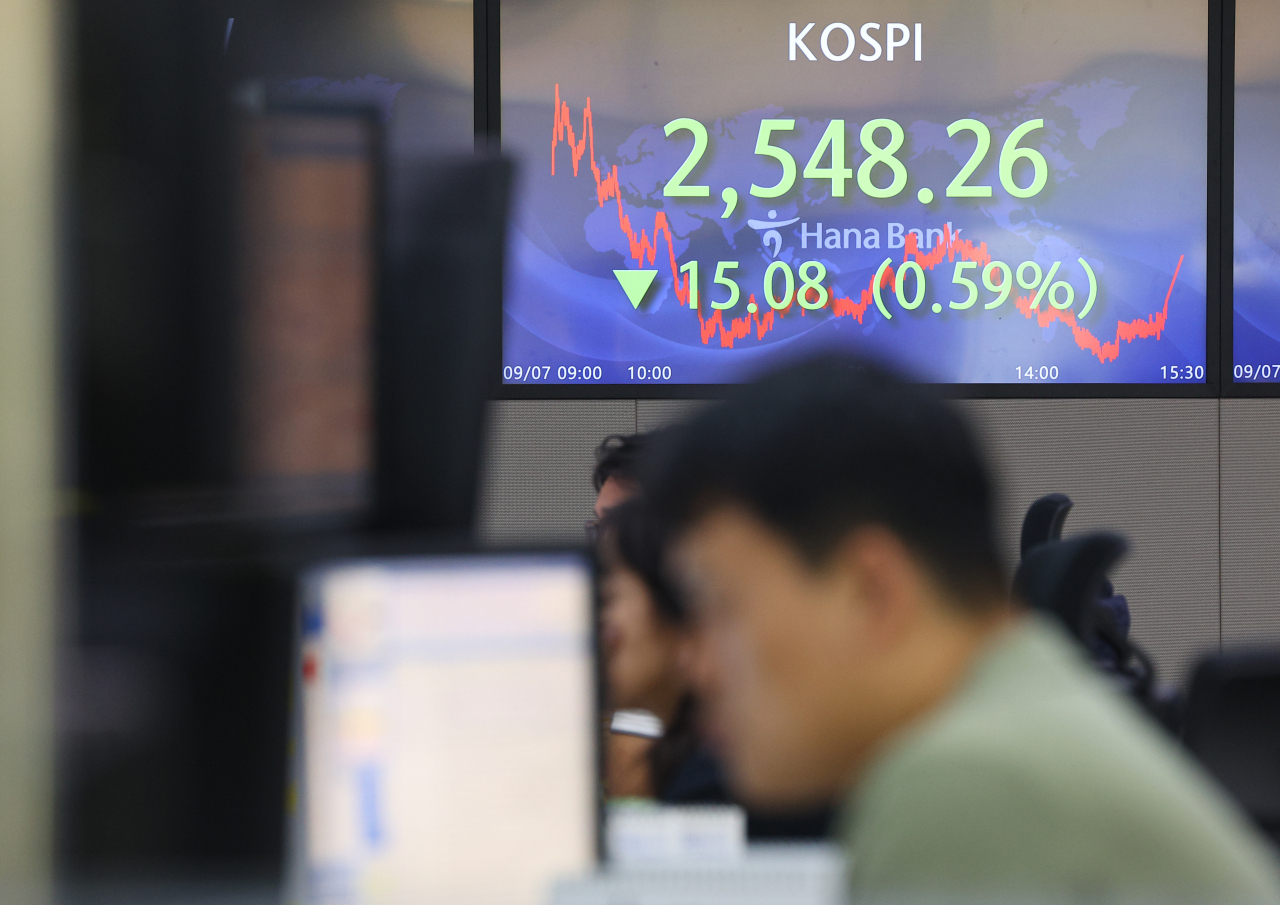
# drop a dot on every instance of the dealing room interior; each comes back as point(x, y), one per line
point(560, 452)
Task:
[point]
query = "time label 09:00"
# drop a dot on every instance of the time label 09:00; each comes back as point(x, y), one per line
point(524, 374)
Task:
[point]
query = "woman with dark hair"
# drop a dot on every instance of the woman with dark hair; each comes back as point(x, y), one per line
point(643, 635)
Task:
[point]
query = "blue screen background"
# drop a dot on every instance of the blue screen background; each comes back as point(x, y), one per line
point(1123, 136)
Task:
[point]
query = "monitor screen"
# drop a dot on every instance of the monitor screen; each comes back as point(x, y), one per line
point(1256, 317)
point(993, 193)
point(306, 261)
point(447, 733)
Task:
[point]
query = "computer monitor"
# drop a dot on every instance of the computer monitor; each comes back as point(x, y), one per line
point(308, 181)
point(371, 319)
point(438, 339)
point(446, 730)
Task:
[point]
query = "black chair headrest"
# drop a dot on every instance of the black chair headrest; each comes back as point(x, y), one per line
point(1043, 521)
point(1063, 578)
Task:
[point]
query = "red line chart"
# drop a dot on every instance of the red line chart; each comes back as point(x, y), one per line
point(643, 248)
point(1142, 328)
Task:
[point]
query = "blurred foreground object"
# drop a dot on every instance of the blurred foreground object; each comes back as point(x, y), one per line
point(438, 339)
point(229, 230)
point(638, 723)
point(371, 320)
point(29, 455)
point(307, 260)
point(1233, 726)
point(641, 832)
point(355, 362)
point(446, 746)
point(772, 874)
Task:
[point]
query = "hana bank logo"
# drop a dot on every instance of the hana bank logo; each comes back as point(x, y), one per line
point(771, 226)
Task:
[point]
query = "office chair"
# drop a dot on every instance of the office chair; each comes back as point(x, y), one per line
point(1042, 525)
point(1064, 579)
point(1067, 580)
point(1043, 521)
point(1233, 728)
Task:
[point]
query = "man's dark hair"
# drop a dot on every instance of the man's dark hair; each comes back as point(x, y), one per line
point(618, 456)
point(819, 448)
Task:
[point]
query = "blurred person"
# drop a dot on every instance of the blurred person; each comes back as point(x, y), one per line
point(645, 637)
point(831, 529)
point(643, 633)
point(616, 474)
point(626, 757)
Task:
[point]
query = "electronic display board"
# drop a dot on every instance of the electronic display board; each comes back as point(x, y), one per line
point(980, 193)
point(1255, 327)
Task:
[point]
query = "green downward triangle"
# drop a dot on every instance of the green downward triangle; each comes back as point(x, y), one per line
point(635, 283)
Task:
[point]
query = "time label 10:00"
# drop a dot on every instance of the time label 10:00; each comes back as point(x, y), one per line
point(526, 373)
point(832, 147)
point(813, 296)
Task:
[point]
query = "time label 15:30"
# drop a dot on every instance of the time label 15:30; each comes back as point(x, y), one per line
point(880, 153)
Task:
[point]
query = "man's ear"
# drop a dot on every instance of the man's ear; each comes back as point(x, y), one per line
point(885, 583)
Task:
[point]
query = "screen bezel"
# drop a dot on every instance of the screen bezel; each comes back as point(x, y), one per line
point(1220, 105)
point(1227, 124)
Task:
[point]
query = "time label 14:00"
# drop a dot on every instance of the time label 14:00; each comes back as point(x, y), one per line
point(813, 296)
point(831, 147)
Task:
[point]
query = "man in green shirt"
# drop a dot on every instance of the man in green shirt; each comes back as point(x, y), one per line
point(831, 527)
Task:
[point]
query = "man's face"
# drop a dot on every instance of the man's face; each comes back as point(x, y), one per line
point(783, 658)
